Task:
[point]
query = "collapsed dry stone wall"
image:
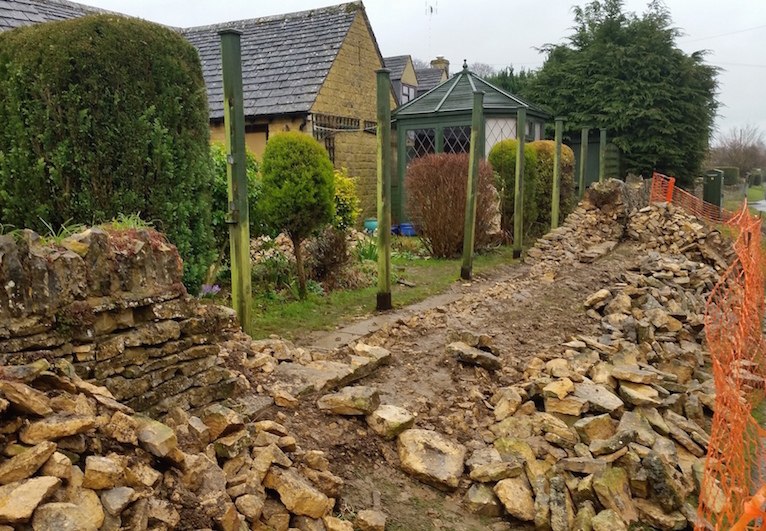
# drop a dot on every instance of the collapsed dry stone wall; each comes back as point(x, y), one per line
point(112, 303)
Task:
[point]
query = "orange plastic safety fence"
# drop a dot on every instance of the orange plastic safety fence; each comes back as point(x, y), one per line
point(736, 459)
point(735, 467)
point(665, 190)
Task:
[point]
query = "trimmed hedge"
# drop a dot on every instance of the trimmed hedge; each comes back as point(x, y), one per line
point(104, 115)
point(545, 150)
point(502, 157)
point(436, 194)
point(730, 174)
point(220, 205)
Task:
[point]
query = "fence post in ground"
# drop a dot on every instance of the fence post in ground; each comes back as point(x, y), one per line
point(472, 187)
point(583, 159)
point(602, 156)
point(384, 190)
point(518, 203)
point(236, 176)
point(557, 175)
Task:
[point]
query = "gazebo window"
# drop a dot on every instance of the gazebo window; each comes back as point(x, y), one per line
point(457, 139)
point(420, 142)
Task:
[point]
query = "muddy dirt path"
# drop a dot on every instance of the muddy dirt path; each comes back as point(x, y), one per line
point(524, 316)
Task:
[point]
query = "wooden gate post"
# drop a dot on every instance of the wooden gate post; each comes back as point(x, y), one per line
point(236, 177)
point(472, 186)
point(518, 203)
point(557, 174)
point(583, 159)
point(602, 156)
point(384, 190)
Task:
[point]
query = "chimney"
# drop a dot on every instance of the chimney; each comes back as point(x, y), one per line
point(441, 63)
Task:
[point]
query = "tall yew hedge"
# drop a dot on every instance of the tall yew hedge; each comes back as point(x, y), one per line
point(104, 115)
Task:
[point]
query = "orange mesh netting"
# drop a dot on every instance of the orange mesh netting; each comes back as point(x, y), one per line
point(736, 459)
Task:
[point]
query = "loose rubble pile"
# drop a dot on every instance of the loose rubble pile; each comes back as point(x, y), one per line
point(112, 304)
point(616, 430)
point(592, 230)
point(666, 228)
point(76, 459)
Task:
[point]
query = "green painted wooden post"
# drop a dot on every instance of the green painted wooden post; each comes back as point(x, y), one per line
point(602, 156)
point(236, 175)
point(518, 203)
point(583, 159)
point(384, 189)
point(557, 174)
point(472, 186)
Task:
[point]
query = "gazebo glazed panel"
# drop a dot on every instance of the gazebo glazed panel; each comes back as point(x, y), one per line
point(439, 121)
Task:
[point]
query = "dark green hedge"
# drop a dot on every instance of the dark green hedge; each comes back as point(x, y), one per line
point(730, 174)
point(104, 115)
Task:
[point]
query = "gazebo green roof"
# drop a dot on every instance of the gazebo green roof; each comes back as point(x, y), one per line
point(455, 96)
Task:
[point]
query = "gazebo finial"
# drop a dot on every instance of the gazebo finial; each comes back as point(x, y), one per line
point(465, 64)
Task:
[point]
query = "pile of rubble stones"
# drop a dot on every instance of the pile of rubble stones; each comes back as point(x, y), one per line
point(76, 459)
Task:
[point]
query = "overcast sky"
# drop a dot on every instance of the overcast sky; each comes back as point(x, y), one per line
point(503, 32)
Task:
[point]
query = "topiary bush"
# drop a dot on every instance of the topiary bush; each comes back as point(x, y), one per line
point(346, 201)
point(502, 157)
point(545, 151)
point(730, 174)
point(104, 115)
point(436, 194)
point(298, 190)
point(756, 178)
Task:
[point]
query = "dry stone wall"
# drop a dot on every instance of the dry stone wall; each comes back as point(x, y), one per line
point(112, 304)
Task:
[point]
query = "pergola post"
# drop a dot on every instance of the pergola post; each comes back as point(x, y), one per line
point(602, 156)
point(472, 186)
point(557, 175)
point(518, 203)
point(236, 176)
point(384, 190)
point(583, 159)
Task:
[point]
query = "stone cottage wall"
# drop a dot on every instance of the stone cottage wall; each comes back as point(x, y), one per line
point(112, 304)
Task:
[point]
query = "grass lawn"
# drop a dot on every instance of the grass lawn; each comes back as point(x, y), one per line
point(754, 193)
point(326, 312)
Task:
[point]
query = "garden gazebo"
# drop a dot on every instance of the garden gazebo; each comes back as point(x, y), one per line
point(439, 121)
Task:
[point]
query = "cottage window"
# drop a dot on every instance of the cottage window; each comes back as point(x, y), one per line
point(408, 93)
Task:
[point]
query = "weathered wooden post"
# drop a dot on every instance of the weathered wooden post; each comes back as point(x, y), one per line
point(472, 187)
point(518, 200)
point(583, 159)
point(384, 190)
point(557, 174)
point(236, 176)
point(602, 156)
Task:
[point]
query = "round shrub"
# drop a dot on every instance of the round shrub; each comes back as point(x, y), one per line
point(298, 189)
point(502, 157)
point(104, 115)
point(346, 201)
point(436, 195)
point(545, 151)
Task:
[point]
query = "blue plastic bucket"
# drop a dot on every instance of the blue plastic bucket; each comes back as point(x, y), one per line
point(407, 229)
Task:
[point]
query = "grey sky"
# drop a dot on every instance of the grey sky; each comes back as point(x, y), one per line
point(503, 32)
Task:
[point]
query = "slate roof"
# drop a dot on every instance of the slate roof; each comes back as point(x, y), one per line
point(455, 96)
point(18, 13)
point(396, 64)
point(428, 78)
point(285, 58)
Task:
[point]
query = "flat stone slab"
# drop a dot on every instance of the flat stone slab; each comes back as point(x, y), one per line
point(474, 356)
point(359, 400)
point(432, 458)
